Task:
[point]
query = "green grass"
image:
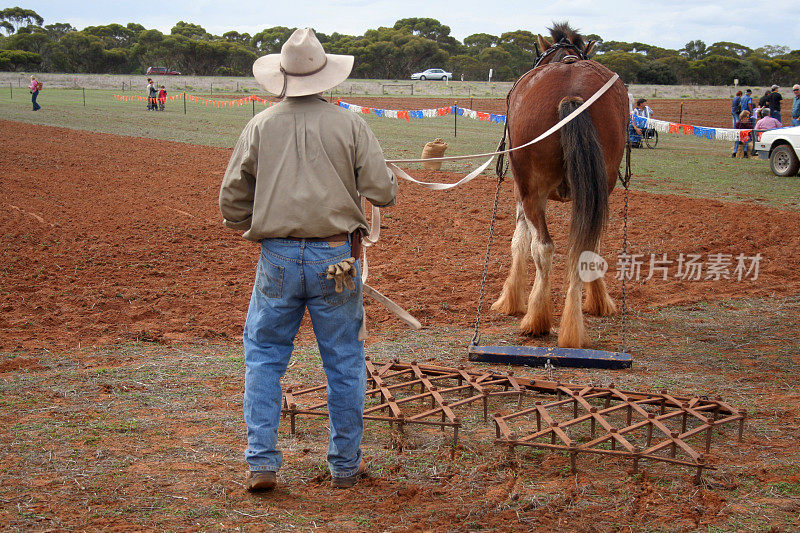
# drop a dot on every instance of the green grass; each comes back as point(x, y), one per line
point(201, 124)
point(787, 489)
point(681, 164)
point(701, 168)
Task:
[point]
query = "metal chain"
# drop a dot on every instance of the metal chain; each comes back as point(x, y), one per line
point(500, 177)
point(625, 182)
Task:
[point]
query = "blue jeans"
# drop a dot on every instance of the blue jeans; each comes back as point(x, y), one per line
point(290, 278)
point(735, 118)
point(36, 106)
point(776, 115)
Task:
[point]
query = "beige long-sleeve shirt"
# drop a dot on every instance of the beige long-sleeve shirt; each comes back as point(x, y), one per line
point(299, 170)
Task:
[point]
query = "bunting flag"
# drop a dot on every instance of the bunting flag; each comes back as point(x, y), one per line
point(702, 132)
point(407, 115)
point(204, 101)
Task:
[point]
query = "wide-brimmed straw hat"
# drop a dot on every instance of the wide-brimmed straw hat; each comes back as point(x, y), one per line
point(302, 67)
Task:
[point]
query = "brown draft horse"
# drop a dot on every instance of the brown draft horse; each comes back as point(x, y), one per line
point(578, 163)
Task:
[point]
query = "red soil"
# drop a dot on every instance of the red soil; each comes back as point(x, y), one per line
point(103, 242)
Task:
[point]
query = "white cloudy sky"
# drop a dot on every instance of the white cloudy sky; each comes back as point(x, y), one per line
point(664, 23)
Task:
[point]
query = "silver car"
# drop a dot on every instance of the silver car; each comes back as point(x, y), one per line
point(432, 74)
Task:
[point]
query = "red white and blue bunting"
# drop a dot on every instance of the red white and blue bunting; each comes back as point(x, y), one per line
point(719, 134)
point(424, 113)
point(661, 126)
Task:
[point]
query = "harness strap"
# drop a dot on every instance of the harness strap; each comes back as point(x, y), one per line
point(558, 46)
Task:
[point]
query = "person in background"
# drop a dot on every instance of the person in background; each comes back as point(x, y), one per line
point(742, 124)
point(736, 107)
point(756, 116)
point(747, 103)
point(162, 98)
point(763, 101)
point(796, 106)
point(35, 86)
point(151, 94)
point(641, 110)
point(768, 122)
point(774, 100)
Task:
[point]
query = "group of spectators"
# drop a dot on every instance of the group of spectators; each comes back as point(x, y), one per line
point(156, 97)
point(764, 114)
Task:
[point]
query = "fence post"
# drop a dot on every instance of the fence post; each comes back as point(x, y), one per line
point(455, 119)
point(11, 88)
point(184, 102)
point(680, 120)
point(212, 89)
point(253, 100)
point(84, 96)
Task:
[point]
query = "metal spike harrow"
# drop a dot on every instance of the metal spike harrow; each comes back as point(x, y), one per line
point(580, 420)
point(606, 420)
point(410, 393)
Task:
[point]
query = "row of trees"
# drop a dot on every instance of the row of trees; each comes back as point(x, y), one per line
point(411, 45)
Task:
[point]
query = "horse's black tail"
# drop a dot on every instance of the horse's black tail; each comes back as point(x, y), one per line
point(585, 170)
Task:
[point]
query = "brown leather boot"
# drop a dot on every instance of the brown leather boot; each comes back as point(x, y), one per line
point(349, 481)
point(261, 481)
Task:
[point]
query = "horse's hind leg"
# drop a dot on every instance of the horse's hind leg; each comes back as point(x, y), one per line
point(512, 299)
point(572, 331)
point(598, 302)
point(539, 318)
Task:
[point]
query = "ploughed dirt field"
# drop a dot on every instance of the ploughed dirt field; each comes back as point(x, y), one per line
point(106, 244)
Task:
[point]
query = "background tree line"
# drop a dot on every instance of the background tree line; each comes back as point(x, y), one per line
point(411, 45)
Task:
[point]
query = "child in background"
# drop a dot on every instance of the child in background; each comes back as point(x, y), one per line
point(755, 116)
point(162, 98)
point(742, 124)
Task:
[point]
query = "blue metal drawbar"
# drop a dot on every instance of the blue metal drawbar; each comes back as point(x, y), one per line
point(559, 357)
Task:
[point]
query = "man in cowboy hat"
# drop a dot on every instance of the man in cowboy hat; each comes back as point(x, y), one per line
point(294, 183)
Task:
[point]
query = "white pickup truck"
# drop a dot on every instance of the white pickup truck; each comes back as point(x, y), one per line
point(782, 148)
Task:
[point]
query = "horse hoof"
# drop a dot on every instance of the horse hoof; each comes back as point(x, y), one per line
point(535, 326)
point(603, 307)
point(573, 340)
point(503, 306)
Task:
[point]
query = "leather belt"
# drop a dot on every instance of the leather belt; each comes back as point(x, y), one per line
point(339, 237)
